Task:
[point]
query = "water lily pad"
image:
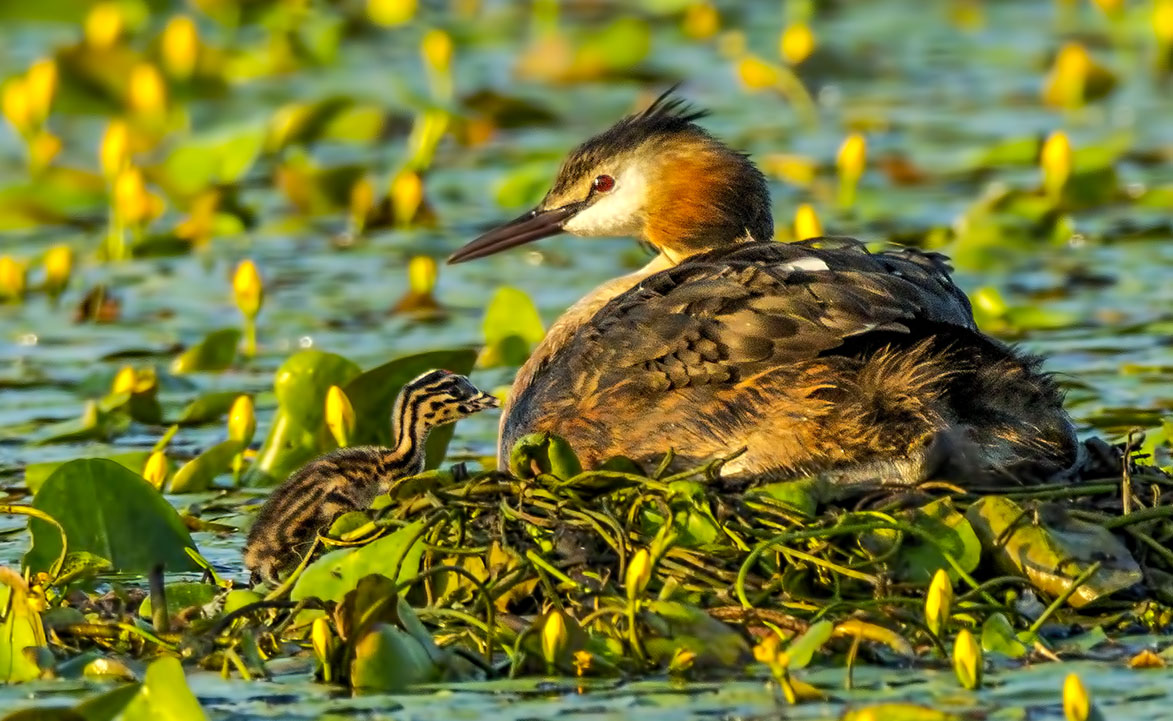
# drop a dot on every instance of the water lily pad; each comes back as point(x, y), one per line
point(998, 636)
point(181, 595)
point(213, 158)
point(207, 408)
point(216, 352)
point(164, 695)
point(302, 381)
point(1051, 549)
point(389, 659)
point(111, 512)
point(512, 327)
point(198, 473)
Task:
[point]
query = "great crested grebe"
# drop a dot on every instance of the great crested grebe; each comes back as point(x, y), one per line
point(819, 357)
point(348, 479)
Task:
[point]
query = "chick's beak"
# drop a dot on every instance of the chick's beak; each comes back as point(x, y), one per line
point(534, 225)
point(487, 400)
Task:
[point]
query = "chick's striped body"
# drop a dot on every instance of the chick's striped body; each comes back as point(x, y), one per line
point(348, 479)
point(305, 505)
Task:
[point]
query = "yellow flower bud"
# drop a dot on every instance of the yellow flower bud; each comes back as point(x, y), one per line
point(407, 194)
point(180, 45)
point(555, 637)
point(322, 639)
point(15, 104)
point(701, 21)
point(40, 84)
point(797, 43)
point(242, 420)
point(1055, 160)
point(639, 572)
point(125, 380)
point(156, 469)
point(1163, 22)
point(391, 12)
point(58, 268)
point(132, 203)
point(339, 416)
point(1065, 85)
point(682, 660)
point(806, 223)
point(114, 153)
point(1077, 705)
point(104, 25)
point(147, 91)
point(852, 157)
point(436, 49)
point(42, 149)
point(757, 74)
point(362, 199)
point(967, 660)
point(422, 272)
point(248, 289)
point(12, 276)
point(938, 602)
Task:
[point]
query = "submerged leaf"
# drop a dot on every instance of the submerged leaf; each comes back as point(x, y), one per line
point(1051, 549)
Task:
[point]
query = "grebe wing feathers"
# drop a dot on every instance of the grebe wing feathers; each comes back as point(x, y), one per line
point(725, 316)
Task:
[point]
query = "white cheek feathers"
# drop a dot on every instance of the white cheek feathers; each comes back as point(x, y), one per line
point(618, 212)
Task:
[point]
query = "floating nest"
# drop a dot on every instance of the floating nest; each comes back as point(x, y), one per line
point(615, 571)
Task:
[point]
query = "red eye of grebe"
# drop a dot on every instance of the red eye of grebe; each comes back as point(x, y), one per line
point(603, 183)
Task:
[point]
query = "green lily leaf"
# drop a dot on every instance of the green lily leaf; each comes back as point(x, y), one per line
point(715, 643)
point(802, 494)
point(93, 424)
point(207, 408)
point(919, 559)
point(802, 649)
point(111, 512)
point(302, 381)
point(182, 595)
point(198, 473)
point(35, 474)
point(999, 636)
point(512, 327)
point(1052, 549)
point(396, 556)
point(546, 453)
point(217, 158)
point(107, 706)
point(216, 352)
point(390, 660)
point(20, 628)
point(164, 695)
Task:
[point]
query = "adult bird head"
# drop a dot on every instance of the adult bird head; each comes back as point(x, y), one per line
point(656, 176)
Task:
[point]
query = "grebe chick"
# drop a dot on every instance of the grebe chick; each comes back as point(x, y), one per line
point(821, 358)
point(348, 479)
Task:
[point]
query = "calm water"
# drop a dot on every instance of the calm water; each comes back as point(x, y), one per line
point(938, 94)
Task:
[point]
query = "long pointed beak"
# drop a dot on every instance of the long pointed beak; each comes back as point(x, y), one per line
point(527, 228)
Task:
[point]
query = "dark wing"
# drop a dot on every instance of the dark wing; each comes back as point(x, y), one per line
point(725, 316)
